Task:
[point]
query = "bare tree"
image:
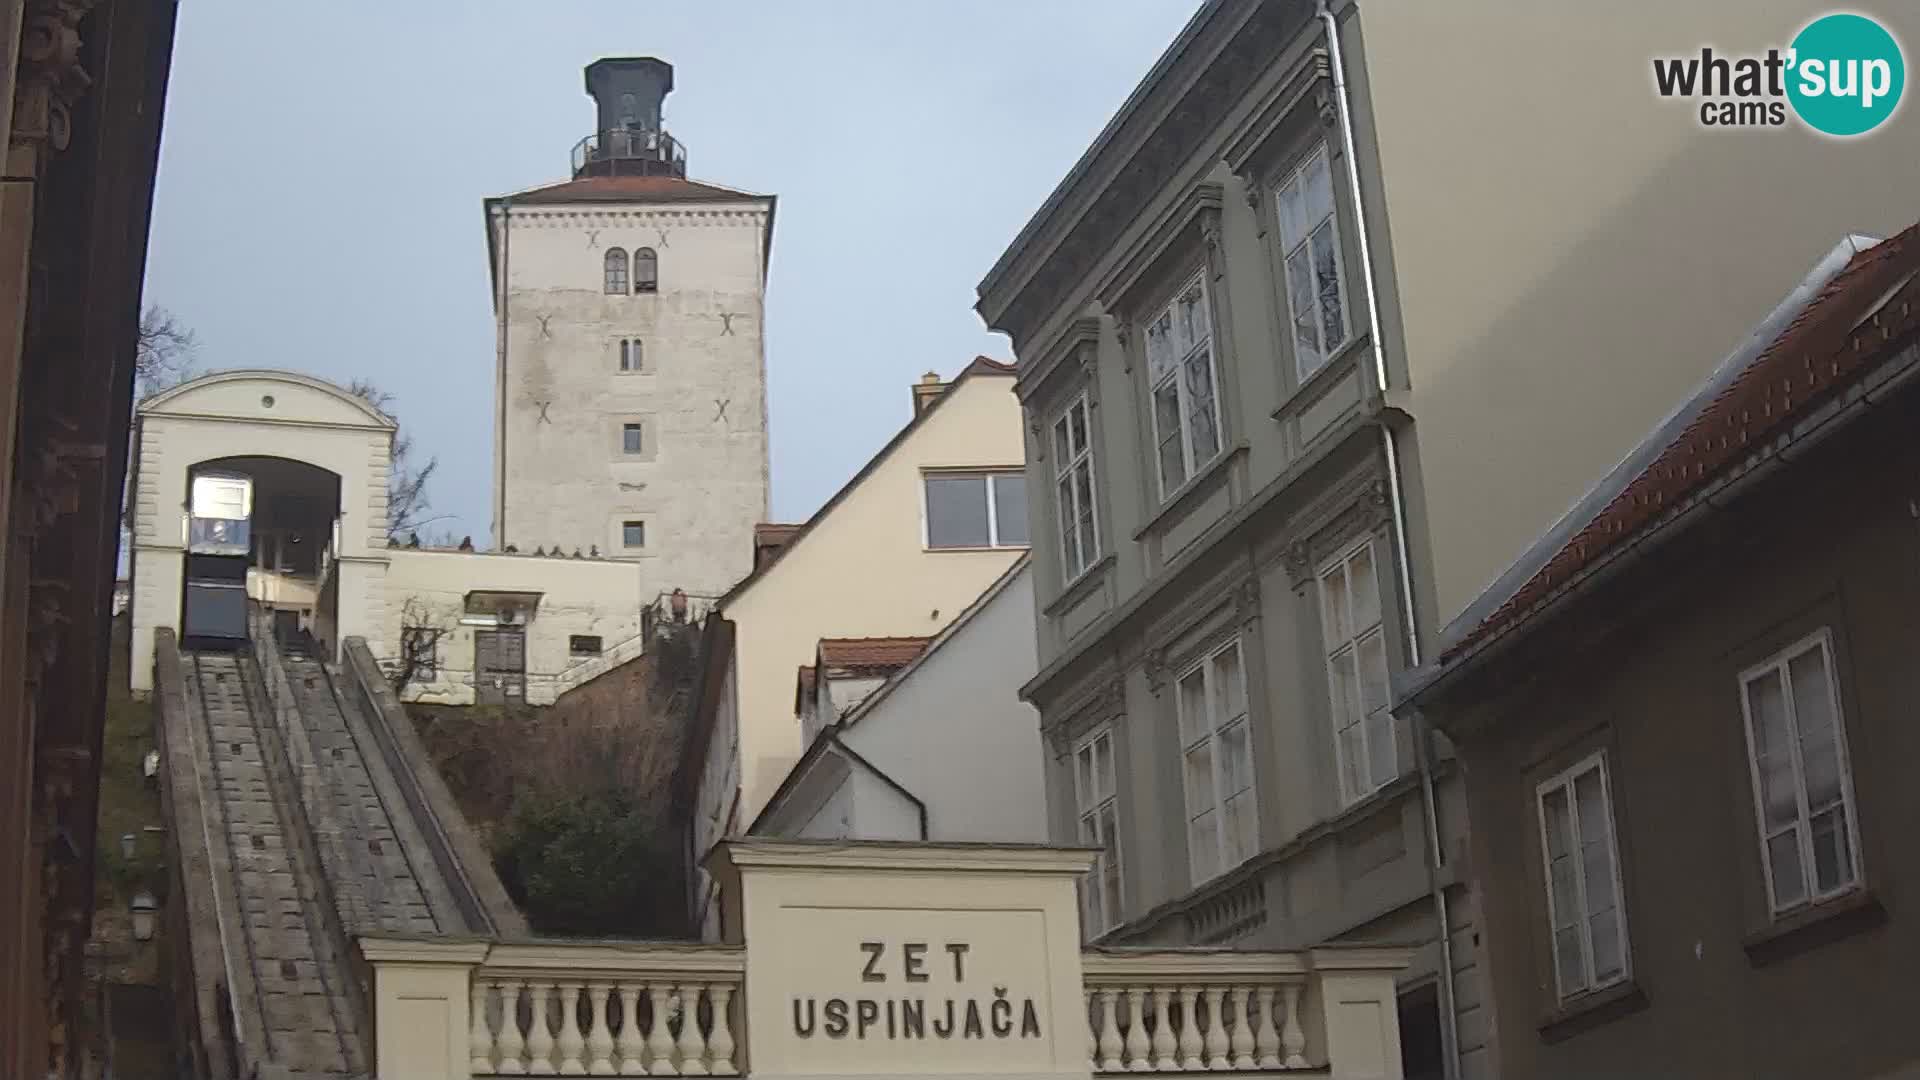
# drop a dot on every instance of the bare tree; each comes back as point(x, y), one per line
point(407, 503)
point(421, 629)
point(163, 352)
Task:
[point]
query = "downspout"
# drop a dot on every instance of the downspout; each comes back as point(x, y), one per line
point(500, 380)
point(1396, 498)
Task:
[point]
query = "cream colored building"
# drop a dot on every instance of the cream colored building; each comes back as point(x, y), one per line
point(900, 551)
point(631, 397)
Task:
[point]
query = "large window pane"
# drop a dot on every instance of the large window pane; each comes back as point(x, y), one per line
point(1204, 432)
point(957, 511)
point(1010, 509)
point(1326, 280)
point(1166, 412)
point(1582, 878)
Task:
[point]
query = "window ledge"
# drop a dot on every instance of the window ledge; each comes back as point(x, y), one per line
point(1813, 926)
point(1592, 1009)
point(1182, 498)
point(974, 548)
point(1083, 583)
point(1337, 367)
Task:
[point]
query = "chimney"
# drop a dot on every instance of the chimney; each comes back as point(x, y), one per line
point(926, 391)
point(629, 138)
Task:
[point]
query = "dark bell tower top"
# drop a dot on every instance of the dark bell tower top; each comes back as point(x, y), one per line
point(629, 139)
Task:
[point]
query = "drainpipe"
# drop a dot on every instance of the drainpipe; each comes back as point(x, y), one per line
point(1396, 498)
point(500, 381)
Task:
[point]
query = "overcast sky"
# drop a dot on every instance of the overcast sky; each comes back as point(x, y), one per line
point(320, 184)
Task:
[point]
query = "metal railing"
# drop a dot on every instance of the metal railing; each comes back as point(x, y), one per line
point(630, 151)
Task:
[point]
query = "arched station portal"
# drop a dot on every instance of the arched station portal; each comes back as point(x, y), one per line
point(314, 459)
point(261, 532)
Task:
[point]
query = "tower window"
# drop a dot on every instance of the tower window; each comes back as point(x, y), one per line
point(629, 354)
point(616, 267)
point(630, 441)
point(633, 534)
point(646, 271)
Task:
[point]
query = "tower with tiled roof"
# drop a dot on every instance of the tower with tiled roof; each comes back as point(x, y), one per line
point(630, 397)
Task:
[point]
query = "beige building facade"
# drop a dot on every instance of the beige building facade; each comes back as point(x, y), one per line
point(900, 551)
point(631, 413)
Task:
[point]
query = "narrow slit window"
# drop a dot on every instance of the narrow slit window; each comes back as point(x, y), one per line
point(629, 354)
point(631, 439)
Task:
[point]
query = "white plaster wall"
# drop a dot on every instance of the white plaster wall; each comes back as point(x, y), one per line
point(579, 596)
point(955, 733)
point(864, 571)
point(1616, 250)
point(227, 415)
point(702, 481)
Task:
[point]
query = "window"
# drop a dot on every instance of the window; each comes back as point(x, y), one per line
point(1097, 803)
point(1310, 246)
point(1073, 479)
point(583, 644)
point(420, 652)
point(616, 269)
point(1356, 644)
point(1584, 911)
point(629, 354)
point(646, 271)
point(976, 510)
point(630, 439)
point(1802, 783)
point(633, 534)
point(1186, 415)
point(1218, 764)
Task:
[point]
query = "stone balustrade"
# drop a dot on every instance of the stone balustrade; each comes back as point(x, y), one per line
point(1191, 1010)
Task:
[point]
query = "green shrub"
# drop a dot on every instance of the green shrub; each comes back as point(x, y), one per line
point(590, 864)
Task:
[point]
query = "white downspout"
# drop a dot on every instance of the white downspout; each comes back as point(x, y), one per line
point(1396, 498)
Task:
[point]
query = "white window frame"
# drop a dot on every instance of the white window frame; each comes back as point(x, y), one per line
point(1564, 780)
point(1191, 462)
point(1333, 648)
point(1295, 181)
point(1215, 724)
point(1088, 809)
point(1821, 639)
point(1067, 494)
point(994, 542)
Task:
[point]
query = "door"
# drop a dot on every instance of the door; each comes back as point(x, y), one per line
point(500, 666)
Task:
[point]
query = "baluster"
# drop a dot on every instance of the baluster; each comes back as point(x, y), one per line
point(1093, 1032)
point(1293, 1038)
point(659, 1043)
point(599, 1031)
point(1216, 1030)
point(571, 1042)
point(1190, 1030)
point(539, 1036)
point(479, 1035)
point(693, 1048)
point(1137, 1030)
point(1242, 1035)
point(1165, 1056)
point(1266, 1041)
point(512, 1046)
point(632, 1046)
point(1109, 1034)
point(721, 1041)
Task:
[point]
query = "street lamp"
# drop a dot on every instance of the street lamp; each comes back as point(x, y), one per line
point(144, 907)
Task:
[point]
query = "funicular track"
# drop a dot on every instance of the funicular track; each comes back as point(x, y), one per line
point(277, 895)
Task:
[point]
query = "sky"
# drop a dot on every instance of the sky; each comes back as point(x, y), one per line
point(323, 165)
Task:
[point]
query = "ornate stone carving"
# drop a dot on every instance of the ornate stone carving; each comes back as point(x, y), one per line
point(50, 77)
point(1154, 664)
point(1298, 559)
point(1246, 601)
point(1325, 103)
point(1113, 697)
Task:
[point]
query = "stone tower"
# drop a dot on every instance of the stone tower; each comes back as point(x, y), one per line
point(630, 411)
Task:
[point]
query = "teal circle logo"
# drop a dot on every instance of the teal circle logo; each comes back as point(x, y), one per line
point(1846, 74)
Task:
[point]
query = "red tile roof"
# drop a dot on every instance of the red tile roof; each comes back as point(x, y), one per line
point(1824, 349)
point(876, 655)
point(652, 189)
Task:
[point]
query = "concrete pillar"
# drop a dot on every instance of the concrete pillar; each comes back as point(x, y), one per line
point(421, 1007)
point(1360, 1011)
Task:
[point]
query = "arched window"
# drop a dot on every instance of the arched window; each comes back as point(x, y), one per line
point(616, 272)
point(646, 271)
